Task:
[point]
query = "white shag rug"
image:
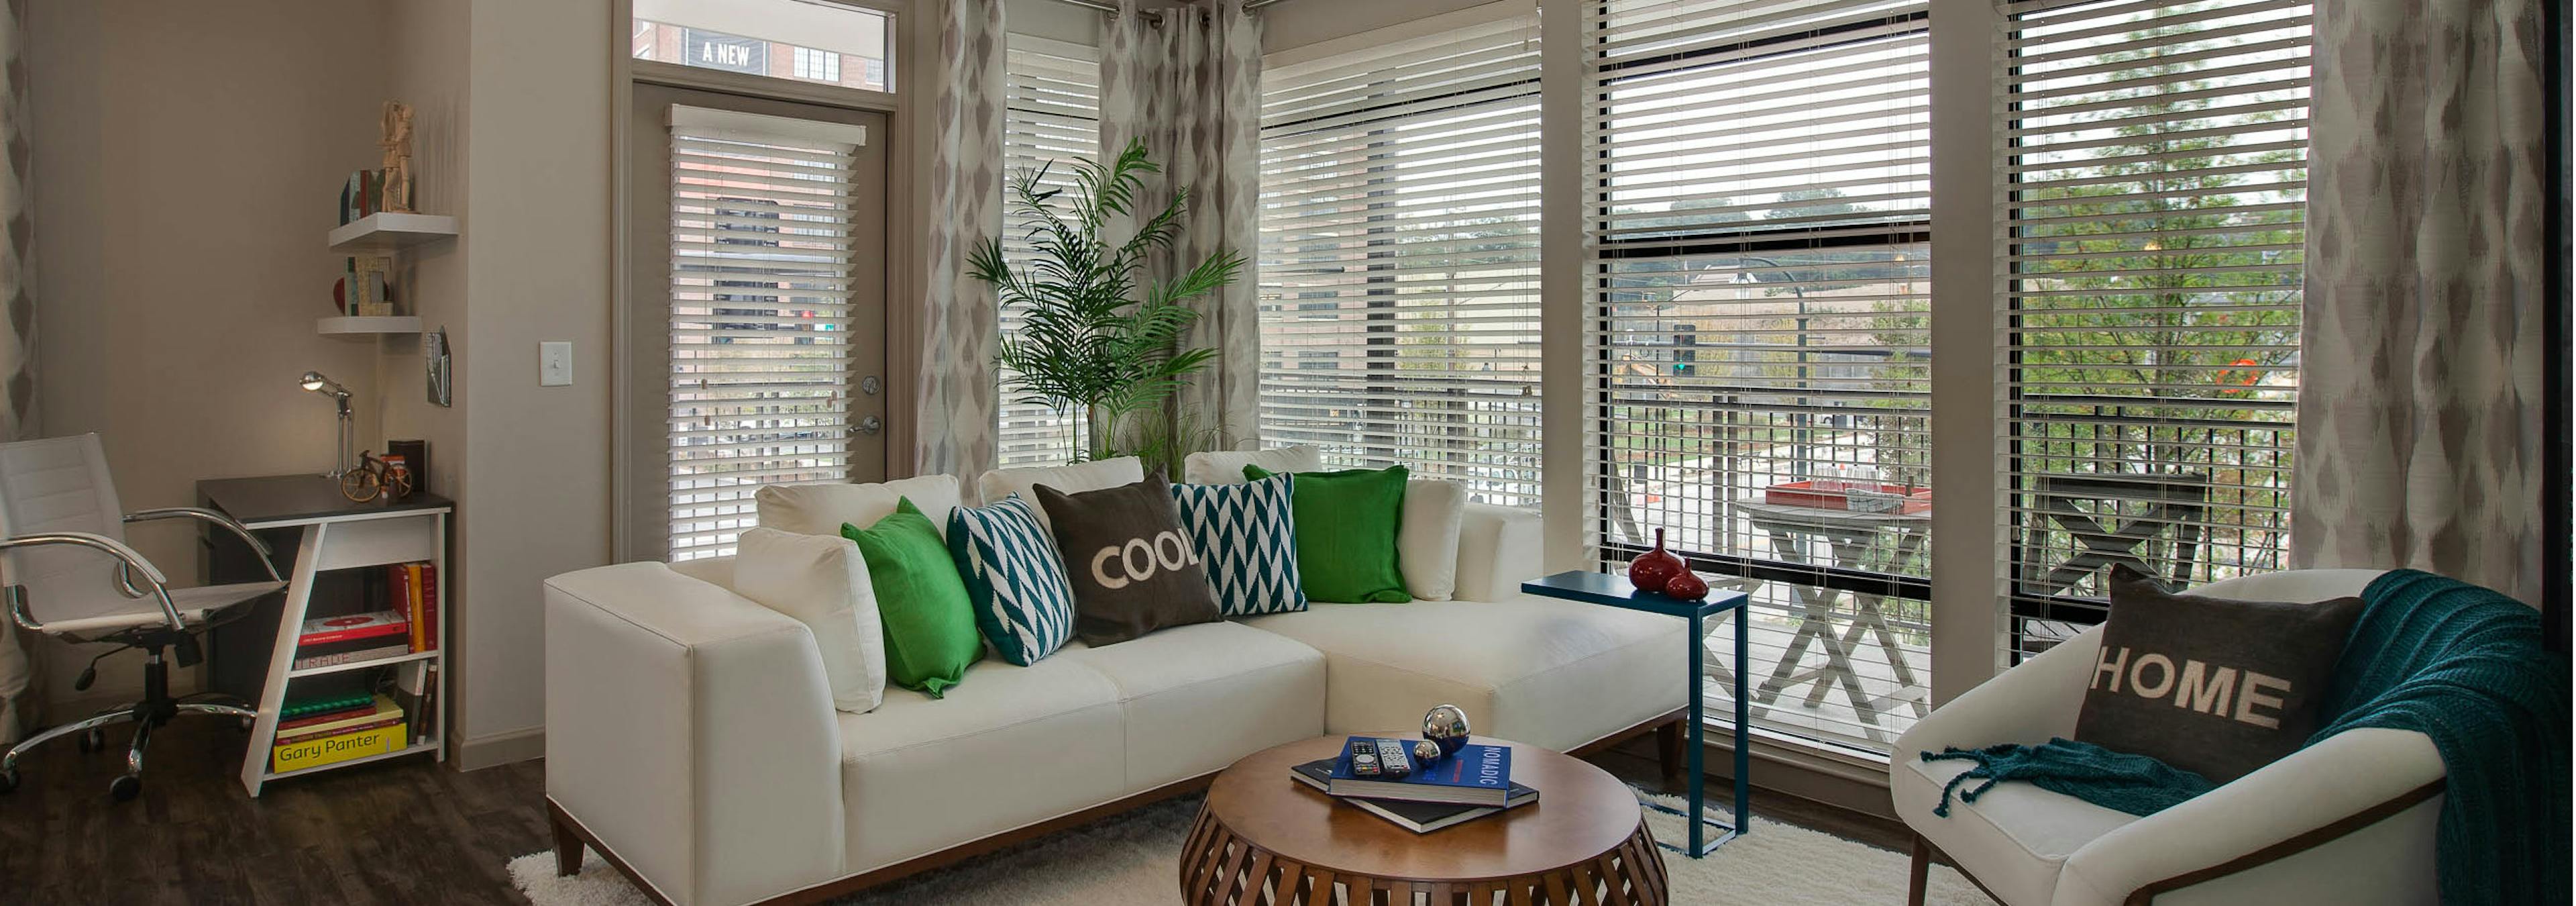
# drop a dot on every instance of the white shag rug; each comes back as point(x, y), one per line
point(1132, 859)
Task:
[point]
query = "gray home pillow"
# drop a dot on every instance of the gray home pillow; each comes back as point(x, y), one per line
point(2212, 686)
point(1134, 568)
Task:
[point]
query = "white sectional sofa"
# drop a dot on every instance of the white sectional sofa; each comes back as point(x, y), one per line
point(691, 738)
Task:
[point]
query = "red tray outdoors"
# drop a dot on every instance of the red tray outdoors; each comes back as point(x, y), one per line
point(1918, 499)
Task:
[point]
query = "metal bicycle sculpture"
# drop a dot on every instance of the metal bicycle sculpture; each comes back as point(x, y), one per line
point(376, 476)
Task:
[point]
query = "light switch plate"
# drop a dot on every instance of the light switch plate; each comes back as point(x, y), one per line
point(554, 363)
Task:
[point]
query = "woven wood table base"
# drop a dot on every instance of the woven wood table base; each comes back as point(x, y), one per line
point(1220, 868)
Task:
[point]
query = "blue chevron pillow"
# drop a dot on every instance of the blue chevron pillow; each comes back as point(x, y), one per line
point(1247, 539)
point(1016, 582)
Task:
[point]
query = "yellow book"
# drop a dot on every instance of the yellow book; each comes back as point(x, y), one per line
point(315, 753)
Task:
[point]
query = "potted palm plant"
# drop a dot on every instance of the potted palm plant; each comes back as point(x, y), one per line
point(1097, 337)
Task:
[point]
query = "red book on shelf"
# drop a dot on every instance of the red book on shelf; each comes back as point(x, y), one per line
point(325, 630)
point(426, 592)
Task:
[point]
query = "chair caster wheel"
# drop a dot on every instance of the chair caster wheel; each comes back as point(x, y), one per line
point(93, 741)
point(8, 781)
point(125, 788)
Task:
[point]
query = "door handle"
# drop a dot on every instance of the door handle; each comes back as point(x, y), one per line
point(871, 424)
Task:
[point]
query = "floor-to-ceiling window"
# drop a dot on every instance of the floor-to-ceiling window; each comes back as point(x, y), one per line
point(1757, 232)
point(2152, 236)
point(1399, 256)
point(1052, 115)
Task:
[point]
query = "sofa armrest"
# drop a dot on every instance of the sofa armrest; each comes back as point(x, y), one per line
point(1498, 548)
point(2318, 797)
point(691, 731)
point(2027, 704)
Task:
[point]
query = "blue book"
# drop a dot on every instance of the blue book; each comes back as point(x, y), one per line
point(1476, 775)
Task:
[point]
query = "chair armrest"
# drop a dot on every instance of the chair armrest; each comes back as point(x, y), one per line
point(267, 558)
point(1498, 548)
point(127, 557)
point(691, 731)
point(2026, 704)
point(2310, 799)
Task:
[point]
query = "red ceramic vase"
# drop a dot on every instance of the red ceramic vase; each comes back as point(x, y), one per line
point(1652, 569)
point(1688, 586)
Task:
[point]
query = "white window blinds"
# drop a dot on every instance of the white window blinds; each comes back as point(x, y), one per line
point(1053, 114)
point(1758, 331)
point(761, 264)
point(2152, 235)
point(1399, 257)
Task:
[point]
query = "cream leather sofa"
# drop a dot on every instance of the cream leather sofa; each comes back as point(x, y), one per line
point(691, 738)
point(2349, 820)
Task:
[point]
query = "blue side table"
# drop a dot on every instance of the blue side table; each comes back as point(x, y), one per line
point(1614, 591)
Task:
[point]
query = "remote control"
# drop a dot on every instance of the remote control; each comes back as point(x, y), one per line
point(1391, 759)
point(1364, 759)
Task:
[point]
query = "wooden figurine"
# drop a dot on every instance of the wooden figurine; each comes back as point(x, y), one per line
point(397, 146)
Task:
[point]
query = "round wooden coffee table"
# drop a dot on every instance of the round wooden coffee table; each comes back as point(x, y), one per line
point(1264, 838)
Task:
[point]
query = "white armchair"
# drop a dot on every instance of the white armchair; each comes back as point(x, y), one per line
point(2348, 821)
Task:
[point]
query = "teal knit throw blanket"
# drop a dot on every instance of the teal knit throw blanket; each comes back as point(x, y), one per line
point(2460, 664)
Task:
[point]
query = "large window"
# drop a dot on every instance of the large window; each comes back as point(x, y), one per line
point(1399, 257)
point(1758, 333)
point(762, 272)
point(1052, 115)
point(2153, 236)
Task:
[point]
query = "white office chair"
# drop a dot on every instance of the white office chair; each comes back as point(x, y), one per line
point(70, 574)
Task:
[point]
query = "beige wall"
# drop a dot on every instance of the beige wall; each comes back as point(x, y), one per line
point(187, 157)
point(186, 161)
point(537, 468)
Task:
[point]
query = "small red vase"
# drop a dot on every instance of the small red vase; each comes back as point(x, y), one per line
point(1688, 586)
point(1652, 569)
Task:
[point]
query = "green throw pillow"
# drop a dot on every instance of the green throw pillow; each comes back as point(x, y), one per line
point(929, 625)
point(1346, 525)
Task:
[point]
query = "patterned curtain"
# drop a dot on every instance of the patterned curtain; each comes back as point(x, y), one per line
point(960, 392)
point(18, 331)
point(2420, 397)
point(1188, 82)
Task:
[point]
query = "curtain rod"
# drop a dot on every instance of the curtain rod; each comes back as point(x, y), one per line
point(1112, 7)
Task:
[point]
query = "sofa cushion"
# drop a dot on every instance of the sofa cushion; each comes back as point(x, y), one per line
point(1542, 671)
point(1346, 531)
point(2214, 686)
point(929, 625)
point(1016, 582)
point(1133, 567)
point(1426, 540)
point(2015, 838)
point(820, 508)
point(1247, 542)
point(823, 582)
point(1196, 698)
point(1226, 466)
point(1010, 746)
point(1071, 479)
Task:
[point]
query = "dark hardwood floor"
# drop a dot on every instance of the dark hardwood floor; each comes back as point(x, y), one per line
point(400, 831)
point(397, 832)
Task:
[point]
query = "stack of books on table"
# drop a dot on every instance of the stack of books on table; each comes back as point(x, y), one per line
point(1475, 782)
point(316, 733)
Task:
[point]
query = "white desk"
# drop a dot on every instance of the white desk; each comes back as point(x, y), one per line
point(334, 533)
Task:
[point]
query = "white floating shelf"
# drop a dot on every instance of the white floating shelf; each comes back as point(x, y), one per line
point(388, 231)
point(353, 326)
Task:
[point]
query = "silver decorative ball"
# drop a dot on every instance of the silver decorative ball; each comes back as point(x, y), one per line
point(1425, 751)
point(1445, 725)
